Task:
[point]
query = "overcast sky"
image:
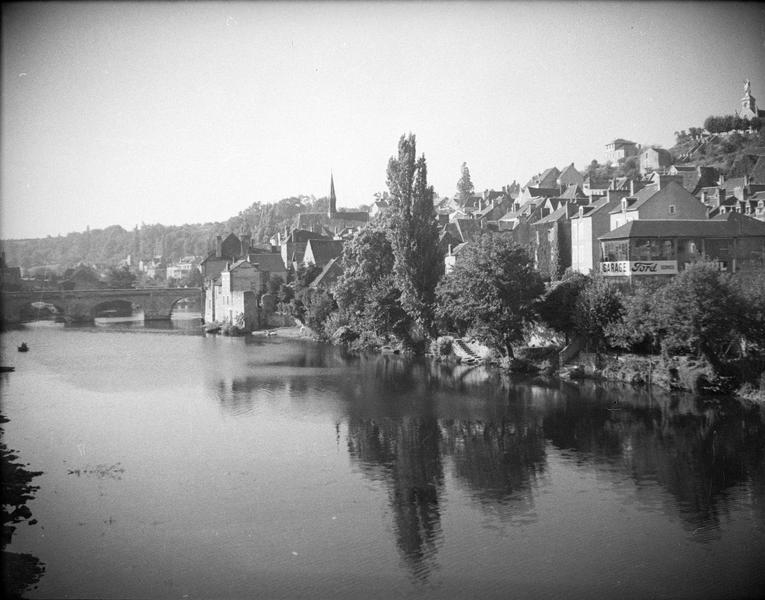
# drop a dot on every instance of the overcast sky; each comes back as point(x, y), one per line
point(172, 113)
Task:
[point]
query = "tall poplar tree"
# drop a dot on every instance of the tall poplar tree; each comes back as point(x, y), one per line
point(465, 187)
point(418, 265)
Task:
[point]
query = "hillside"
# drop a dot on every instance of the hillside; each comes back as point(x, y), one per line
point(113, 244)
point(730, 153)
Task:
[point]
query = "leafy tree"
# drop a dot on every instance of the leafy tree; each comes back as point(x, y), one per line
point(418, 264)
point(275, 283)
point(599, 305)
point(491, 290)
point(366, 294)
point(752, 293)
point(464, 184)
point(701, 312)
point(193, 278)
point(641, 326)
point(317, 305)
point(120, 278)
point(305, 275)
point(557, 307)
point(83, 275)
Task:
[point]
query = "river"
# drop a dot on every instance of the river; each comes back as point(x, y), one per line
point(179, 465)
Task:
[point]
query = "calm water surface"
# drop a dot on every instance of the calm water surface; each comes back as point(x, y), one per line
point(178, 465)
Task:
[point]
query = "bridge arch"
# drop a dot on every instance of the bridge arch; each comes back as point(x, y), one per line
point(113, 307)
point(38, 310)
point(186, 303)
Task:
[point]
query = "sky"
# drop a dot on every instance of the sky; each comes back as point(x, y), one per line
point(118, 113)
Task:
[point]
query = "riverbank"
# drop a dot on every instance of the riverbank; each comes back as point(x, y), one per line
point(286, 332)
point(744, 380)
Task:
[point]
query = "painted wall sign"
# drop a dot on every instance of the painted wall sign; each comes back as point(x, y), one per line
point(638, 267)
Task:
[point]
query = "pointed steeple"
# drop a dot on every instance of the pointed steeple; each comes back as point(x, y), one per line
point(332, 199)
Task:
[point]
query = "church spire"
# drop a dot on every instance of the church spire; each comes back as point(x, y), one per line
point(332, 199)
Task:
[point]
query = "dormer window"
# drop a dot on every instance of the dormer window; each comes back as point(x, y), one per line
point(672, 209)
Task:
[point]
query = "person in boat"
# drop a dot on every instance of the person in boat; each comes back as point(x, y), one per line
point(23, 347)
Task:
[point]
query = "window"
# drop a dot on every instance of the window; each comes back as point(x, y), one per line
point(672, 209)
point(615, 250)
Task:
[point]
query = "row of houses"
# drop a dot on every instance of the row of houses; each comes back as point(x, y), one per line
point(237, 272)
point(651, 225)
point(567, 220)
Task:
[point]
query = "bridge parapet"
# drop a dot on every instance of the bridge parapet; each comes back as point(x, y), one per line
point(80, 305)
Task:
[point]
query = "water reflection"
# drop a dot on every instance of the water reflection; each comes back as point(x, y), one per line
point(370, 473)
point(405, 453)
point(694, 450)
point(408, 422)
point(20, 571)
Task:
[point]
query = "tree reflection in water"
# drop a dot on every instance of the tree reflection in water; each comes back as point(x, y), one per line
point(20, 572)
point(406, 454)
point(407, 420)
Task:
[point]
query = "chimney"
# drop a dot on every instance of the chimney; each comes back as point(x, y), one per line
point(218, 245)
point(245, 241)
point(632, 187)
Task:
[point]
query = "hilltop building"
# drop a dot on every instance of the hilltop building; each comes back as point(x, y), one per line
point(749, 108)
point(620, 150)
point(654, 159)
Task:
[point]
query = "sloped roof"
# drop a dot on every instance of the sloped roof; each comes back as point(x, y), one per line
point(570, 176)
point(492, 213)
point(757, 174)
point(595, 207)
point(298, 252)
point(355, 216)
point(469, 229)
point(672, 193)
point(241, 264)
point(543, 192)
point(572, 192)
point(727, 225)
point(303, 235)
point(324, 250)
point(270, 262)
point(733, 183)
point(459, 248)
point(546, 179)
point(329, 274)
point(557, 215)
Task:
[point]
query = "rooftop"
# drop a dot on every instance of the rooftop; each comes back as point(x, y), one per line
point(725, 226)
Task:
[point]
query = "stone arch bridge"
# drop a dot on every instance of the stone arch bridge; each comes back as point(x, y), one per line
point(80, 305)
